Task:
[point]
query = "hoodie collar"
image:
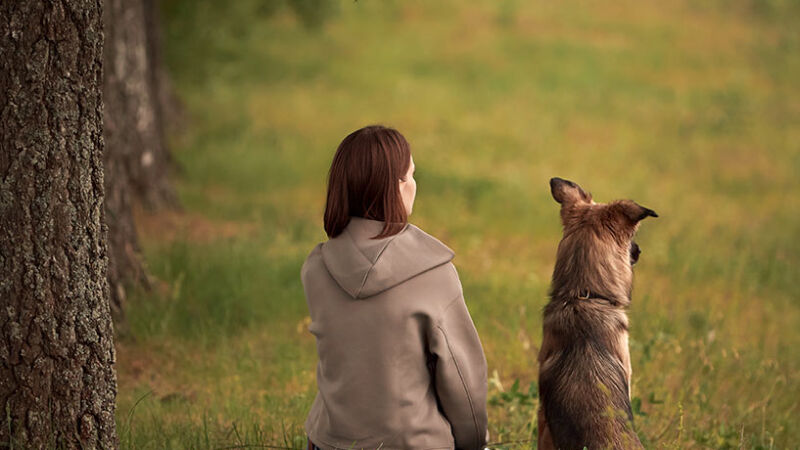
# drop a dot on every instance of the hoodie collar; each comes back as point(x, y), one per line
point(364, 267)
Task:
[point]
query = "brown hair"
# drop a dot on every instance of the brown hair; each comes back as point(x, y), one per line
point(364, 180)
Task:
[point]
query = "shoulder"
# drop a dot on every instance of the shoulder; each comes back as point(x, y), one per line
point(414, 235)
point(441, 257)
point(443, 286)
point(440, 254)
point(422, 250)
point(313, 261)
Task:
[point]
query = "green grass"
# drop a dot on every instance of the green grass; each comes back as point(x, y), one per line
point(690, 109)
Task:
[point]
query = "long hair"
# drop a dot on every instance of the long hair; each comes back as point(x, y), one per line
point(364, 180)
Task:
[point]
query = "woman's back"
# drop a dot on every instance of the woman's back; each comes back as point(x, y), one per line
point(400, 363)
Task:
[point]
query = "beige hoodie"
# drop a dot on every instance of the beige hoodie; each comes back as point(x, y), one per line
point(400, 363)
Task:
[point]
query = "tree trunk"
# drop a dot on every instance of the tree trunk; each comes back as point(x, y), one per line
point(124, 83)
point(58, 383)
point(137, 161)
point(169, 107)
point(129, 73)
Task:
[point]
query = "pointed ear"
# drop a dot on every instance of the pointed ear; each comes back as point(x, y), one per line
point(567, 192)
point(636, 212)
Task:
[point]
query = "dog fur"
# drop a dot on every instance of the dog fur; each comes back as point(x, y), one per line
point(584, 360)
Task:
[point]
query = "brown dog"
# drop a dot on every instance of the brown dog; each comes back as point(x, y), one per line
point(584, 362)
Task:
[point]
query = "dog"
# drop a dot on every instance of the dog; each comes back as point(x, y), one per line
point(584, 360)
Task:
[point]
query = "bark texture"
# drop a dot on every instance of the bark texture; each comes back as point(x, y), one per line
point(129, 74)
point(169, 108)
point(57, 377)
point(136, 94)
point(124, 83)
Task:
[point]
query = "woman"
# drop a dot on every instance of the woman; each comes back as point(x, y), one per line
point(400, 363)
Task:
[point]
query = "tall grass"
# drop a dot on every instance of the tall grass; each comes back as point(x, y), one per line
point(689, 108)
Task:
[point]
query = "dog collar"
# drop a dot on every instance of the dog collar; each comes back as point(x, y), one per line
point(586, 294)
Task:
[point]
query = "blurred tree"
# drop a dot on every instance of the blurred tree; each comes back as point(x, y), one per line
point(136, 96)
point(57, 377)
point(134, 105)
point(169, 108)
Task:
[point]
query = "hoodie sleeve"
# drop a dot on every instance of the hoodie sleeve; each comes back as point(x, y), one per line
point(460, 375)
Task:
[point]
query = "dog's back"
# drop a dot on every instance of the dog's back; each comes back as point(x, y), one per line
point(583, 381)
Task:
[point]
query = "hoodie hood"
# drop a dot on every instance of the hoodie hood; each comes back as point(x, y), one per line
point(364, 267)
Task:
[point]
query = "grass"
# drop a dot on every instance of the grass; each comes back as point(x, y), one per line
point(689, 108)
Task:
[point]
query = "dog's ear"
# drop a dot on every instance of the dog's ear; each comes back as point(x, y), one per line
point(567, 193)
point(635, 212)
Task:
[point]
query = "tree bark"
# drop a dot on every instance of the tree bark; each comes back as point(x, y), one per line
point(57, 377)
point(151, 174)
point(170, 110)
point(124, 84)
point(130, 74)
point(137, 160)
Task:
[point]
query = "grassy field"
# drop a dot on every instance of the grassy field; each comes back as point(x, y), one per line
point(690, 108)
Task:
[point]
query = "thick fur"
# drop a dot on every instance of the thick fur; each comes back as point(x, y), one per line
point(584, 361)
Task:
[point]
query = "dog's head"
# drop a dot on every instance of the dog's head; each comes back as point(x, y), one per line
point(597, 251)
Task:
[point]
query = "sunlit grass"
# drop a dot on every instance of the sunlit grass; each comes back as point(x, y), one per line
point(690, 109)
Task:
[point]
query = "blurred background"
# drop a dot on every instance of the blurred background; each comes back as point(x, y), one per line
point(689, 108)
